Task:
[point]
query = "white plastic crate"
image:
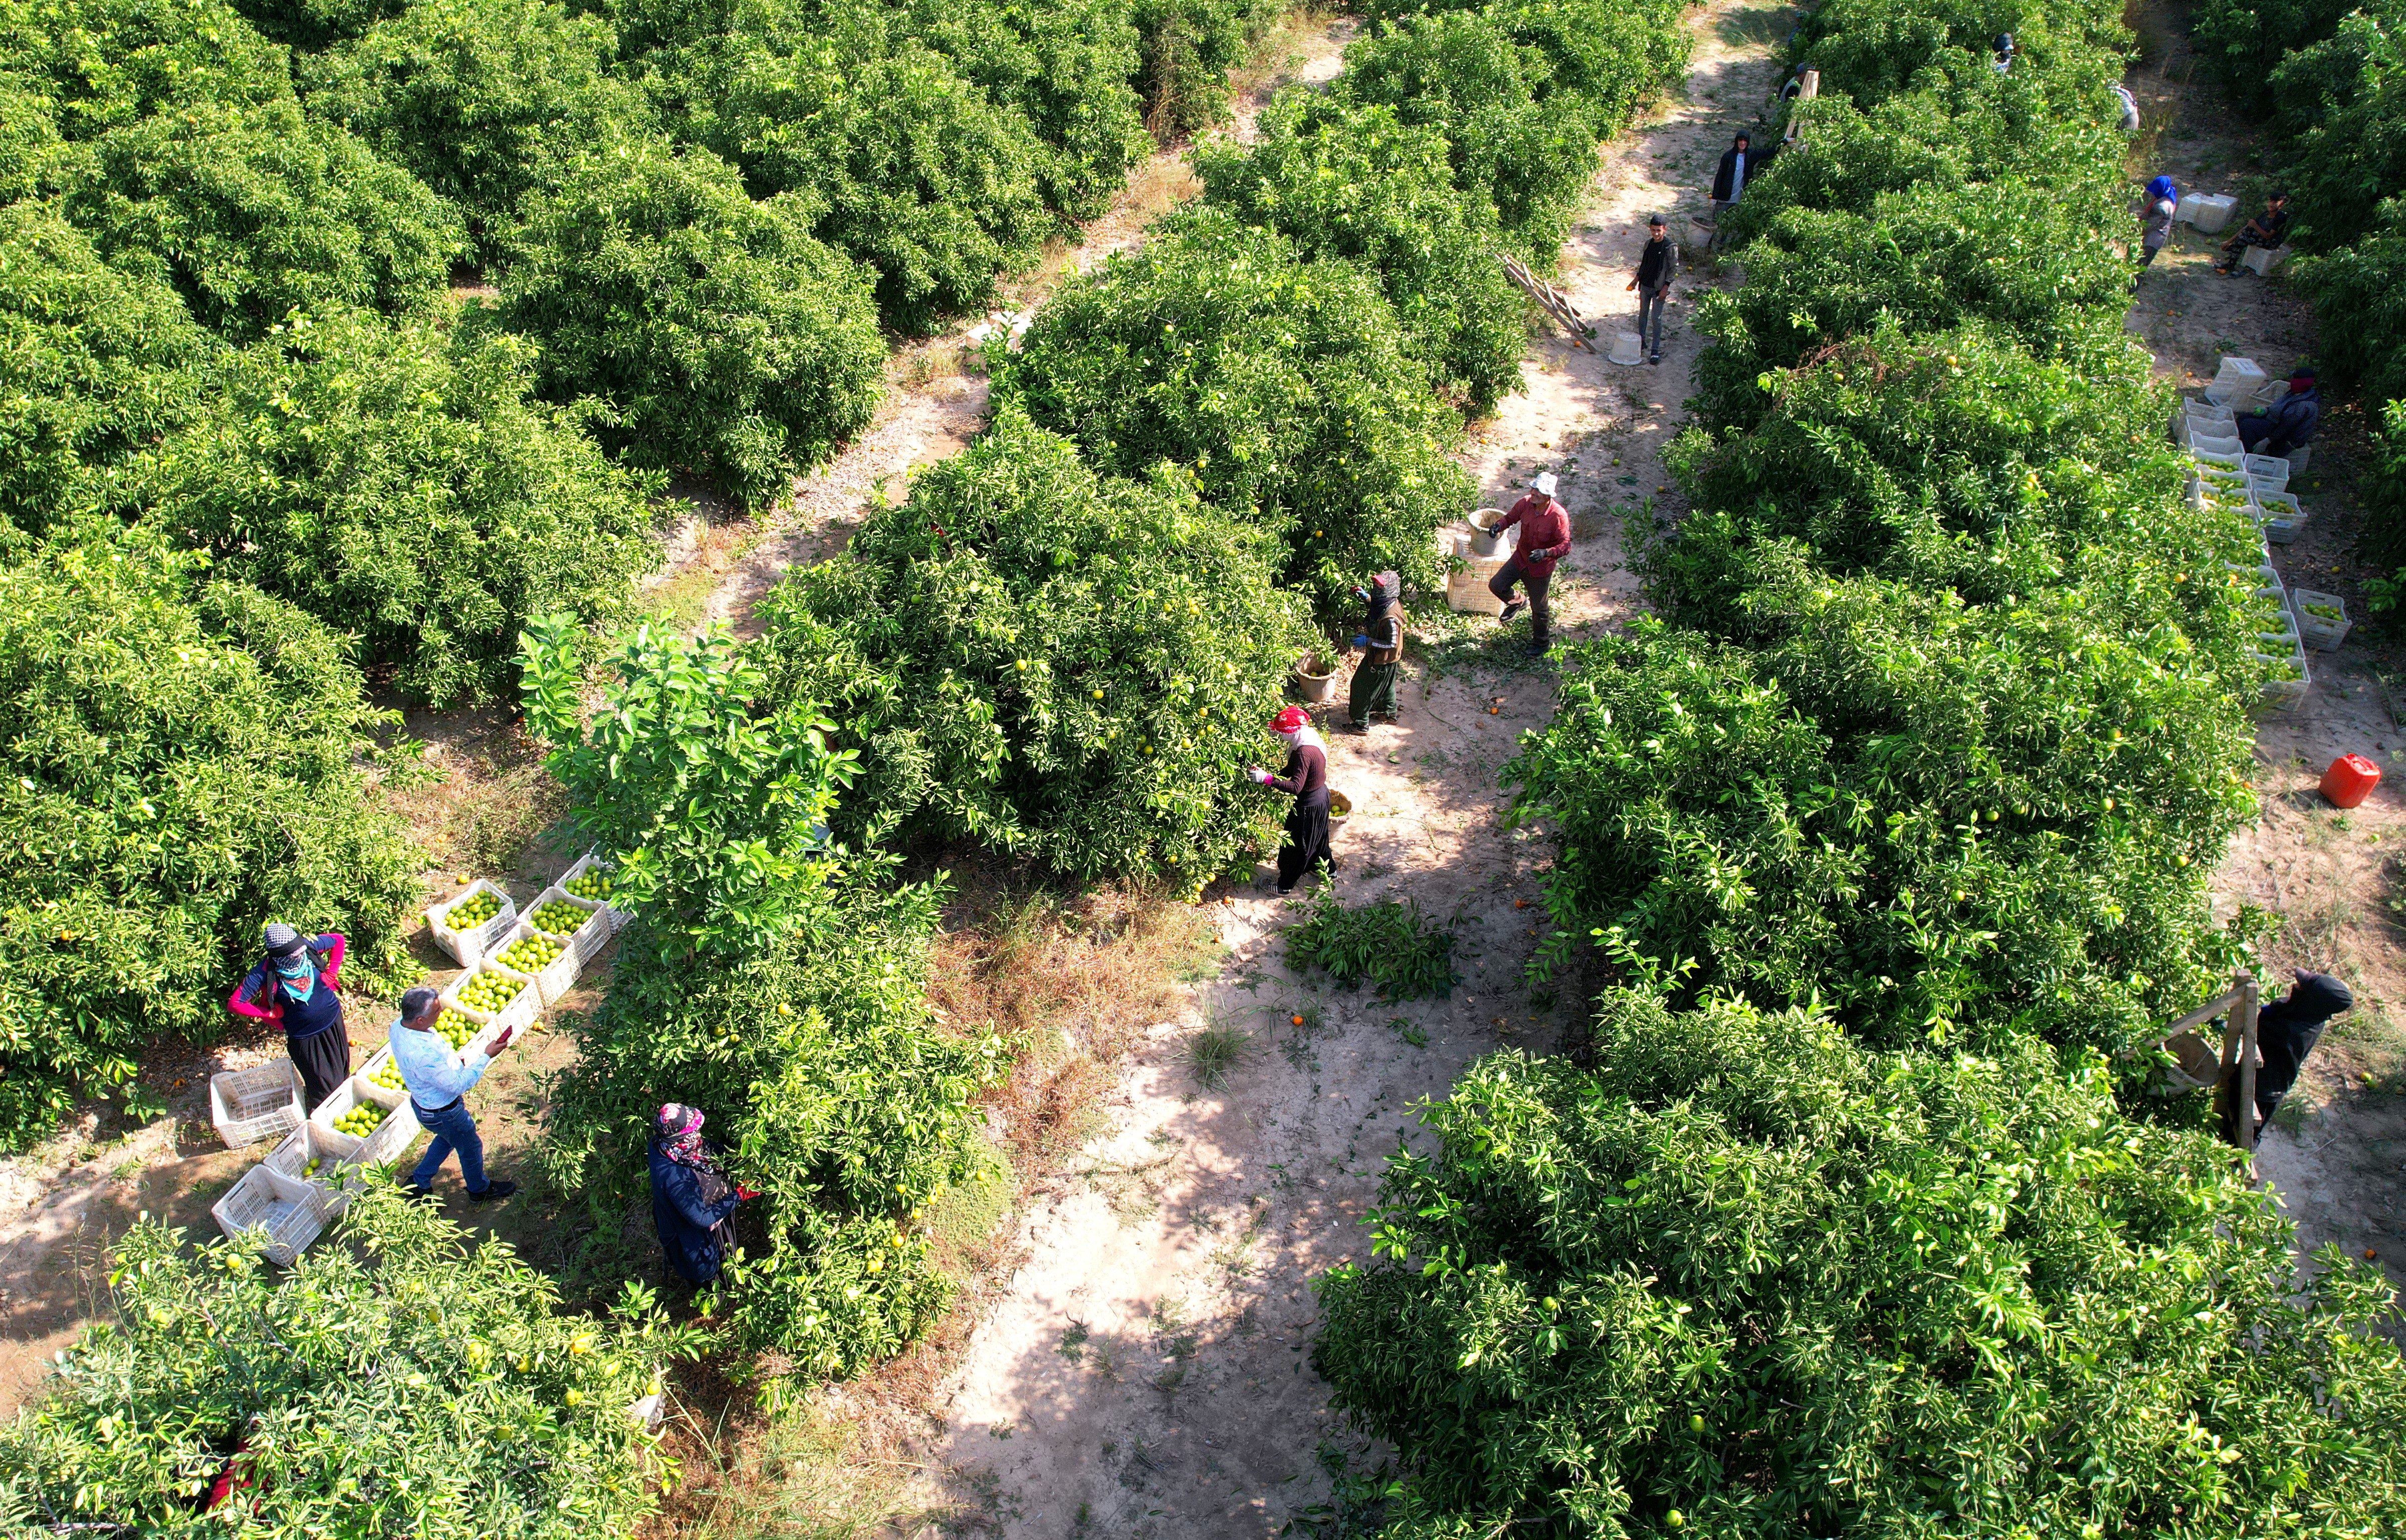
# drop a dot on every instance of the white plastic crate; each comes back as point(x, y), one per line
point(518, 1012)
point(2234, 369)
point(2270, 470)
point(2283, 517)
point(352, 1092)
point(468, 947)
point(586, 939)
point(2209, 213)
point(555, 978)
point(2320, 631)
point(586, 863)
point(2261, 259)
point(260, 1103)
point(2216, 451)
point(290, 1213)
point(2285, 694)
point(335, 1179)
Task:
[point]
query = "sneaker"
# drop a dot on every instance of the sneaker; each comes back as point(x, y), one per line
point(412, 1193)
point(494, 1192)
point(1655, 359)
point(1512, 607)
point(1539, 649)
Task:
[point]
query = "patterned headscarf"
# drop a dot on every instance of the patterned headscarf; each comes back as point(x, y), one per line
point(288, 955)
point(679, 1128)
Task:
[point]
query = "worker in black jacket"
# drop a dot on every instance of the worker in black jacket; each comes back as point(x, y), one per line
point(1307, 780)
point(1658, 263)
point(2287, 1031)
point(1740, 164)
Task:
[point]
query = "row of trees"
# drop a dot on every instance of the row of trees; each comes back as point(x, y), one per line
point(2329, 80)
point(1889, 837)
point(1062, 643)
point(232, 357)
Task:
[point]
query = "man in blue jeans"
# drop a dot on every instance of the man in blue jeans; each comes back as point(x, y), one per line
point(438, 1081)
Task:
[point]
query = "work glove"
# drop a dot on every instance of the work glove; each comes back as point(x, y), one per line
point(1361, 639)
point(744, 1193)
point(1261, 777)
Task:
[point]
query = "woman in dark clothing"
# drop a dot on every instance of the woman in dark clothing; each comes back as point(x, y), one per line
point(693, 1202)
point(295, 987)
point(1382, 641)
point(1307, 780)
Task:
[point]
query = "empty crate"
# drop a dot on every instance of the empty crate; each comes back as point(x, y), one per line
point(250, 1105)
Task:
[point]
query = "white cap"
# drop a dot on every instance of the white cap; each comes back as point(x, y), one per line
point(1544, 483)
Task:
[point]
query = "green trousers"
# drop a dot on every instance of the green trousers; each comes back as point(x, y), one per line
point(1373, 692)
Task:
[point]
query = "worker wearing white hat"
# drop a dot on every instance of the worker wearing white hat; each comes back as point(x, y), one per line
point(1545, 538)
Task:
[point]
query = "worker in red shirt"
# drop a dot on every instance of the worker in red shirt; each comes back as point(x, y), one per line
point(1545, 538)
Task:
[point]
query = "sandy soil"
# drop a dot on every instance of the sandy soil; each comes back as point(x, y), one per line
point(1143, 1371)
point(2333, 1156)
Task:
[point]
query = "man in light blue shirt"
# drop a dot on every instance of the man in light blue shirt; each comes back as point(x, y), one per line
point(438, 1081)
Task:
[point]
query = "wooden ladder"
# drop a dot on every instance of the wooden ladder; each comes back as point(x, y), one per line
point(2238, 1004)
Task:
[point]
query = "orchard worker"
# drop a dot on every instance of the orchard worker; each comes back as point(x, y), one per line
point(693, 1202)
point(295, 987)
point(1307, 780)
point(2129, 108)
point(2288, 424)
point(1382, 641)
point(1658, 262)
point(438, 1079)
point(2155, 209)
point(2269, 229)
point(2287, 1031)
point(1739, 163)
point(1545, 538)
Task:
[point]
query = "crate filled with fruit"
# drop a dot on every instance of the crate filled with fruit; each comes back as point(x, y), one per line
point(469, 922)
point(551, 961)
point(486, 1001)
point(595, 881)
point(584, 924)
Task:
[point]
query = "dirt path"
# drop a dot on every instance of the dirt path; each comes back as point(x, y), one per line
point(936, 391)
point(1143, 1371)
point(2330, 878)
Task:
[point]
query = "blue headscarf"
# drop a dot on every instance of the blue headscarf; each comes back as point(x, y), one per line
point(2162, 187)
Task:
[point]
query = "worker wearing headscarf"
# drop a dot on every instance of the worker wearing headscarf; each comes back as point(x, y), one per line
point(295, 985)
point(2288, 424)
point(1307, 780)
point(1382, 641)
point(2155, 209)
point(693, 1201)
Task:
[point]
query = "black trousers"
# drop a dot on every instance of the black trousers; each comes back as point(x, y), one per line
point(324, 1062)
point(1501, 586)
point(1306, 842)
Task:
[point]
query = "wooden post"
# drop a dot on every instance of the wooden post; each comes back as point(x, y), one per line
point(2242, 1016)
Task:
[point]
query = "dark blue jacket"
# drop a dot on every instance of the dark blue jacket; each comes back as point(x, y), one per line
point(693, 1211)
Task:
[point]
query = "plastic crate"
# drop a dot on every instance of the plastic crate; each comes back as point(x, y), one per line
point(588, 939)
point(2285, 694)
point(260, 1103)
point(2266, 468)
point(287, 1214)
point(517, 1013)
point(468, 947)
point(2283, 517)
point(2320, 633)
point(555, 978)
point(336, 1178)
point(352, 1092)
point(2223, 449)
point(586, 863)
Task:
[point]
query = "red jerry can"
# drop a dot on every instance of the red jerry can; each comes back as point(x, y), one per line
point(2350, 780)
